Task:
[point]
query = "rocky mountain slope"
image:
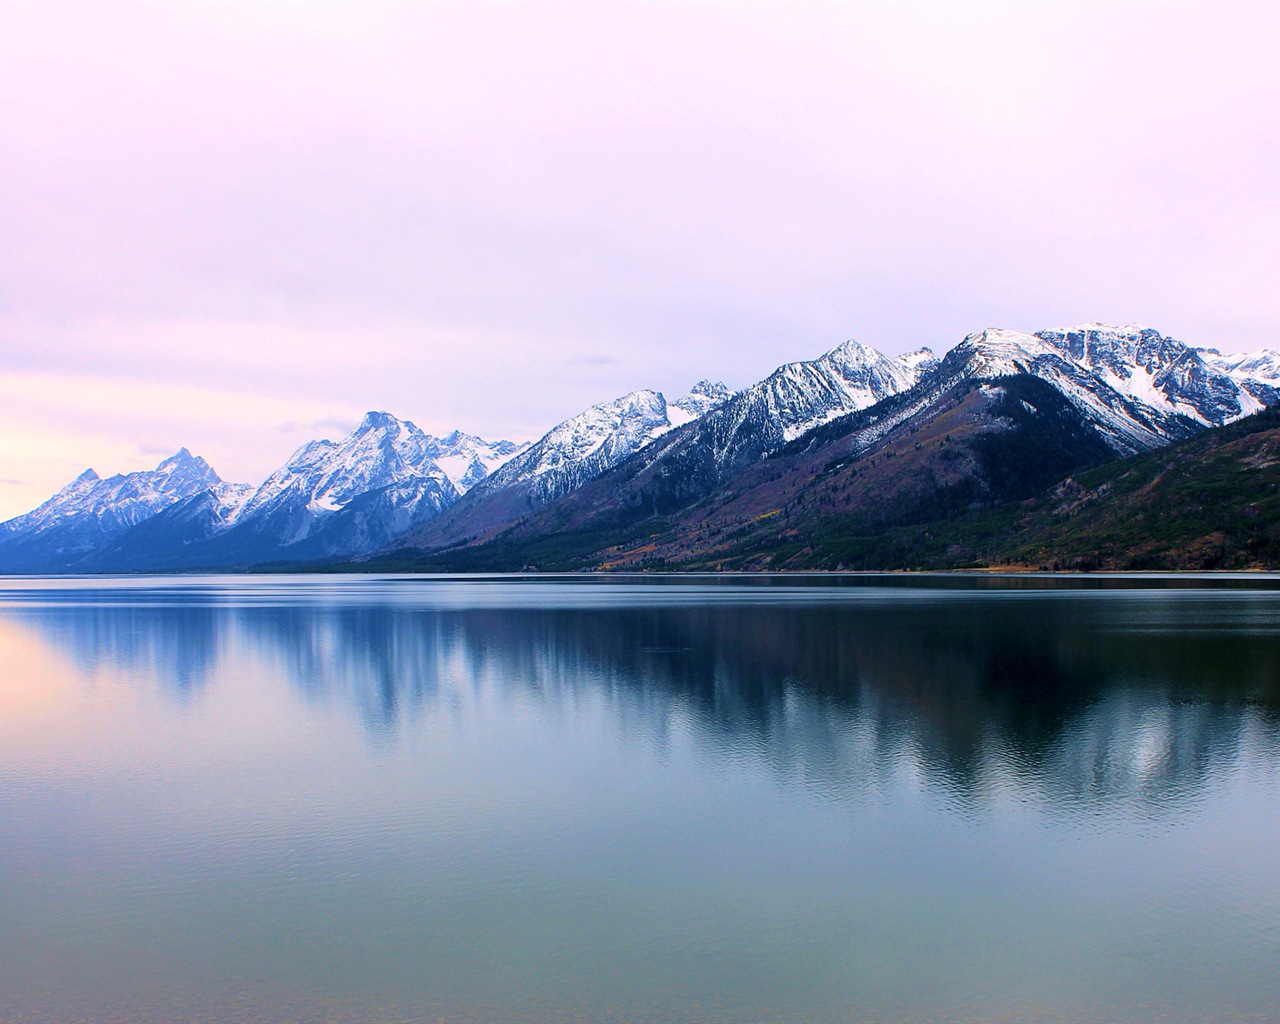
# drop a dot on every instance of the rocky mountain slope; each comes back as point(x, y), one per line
point(727, 437)
point(1210, 502)
point(900, 461)
point(1258, 373)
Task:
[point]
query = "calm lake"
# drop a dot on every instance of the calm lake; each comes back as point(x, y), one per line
point(338, 799)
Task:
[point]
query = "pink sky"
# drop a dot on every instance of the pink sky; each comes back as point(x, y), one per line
point(237, 227)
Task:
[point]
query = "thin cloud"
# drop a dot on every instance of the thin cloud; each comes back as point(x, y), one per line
point(337, 423)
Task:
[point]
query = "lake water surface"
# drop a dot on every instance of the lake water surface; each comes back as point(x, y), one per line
point(679, 799)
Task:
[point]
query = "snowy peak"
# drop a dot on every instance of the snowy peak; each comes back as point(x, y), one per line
point(867, 368)
point(1256, 373)
point(625, 423)
point(1118, 351)
point(90, 510)
point(324, 475)
point(466, 459)
point(600, 437)
point(383, 423)
point(869, 372)
point(853, 353)
point(179, 460)
point(799, 396)
point(919, 362)
point(1141, 388)
point(383, 449)
point(705, 394)
point(415, 474)
point(186, 472)
point(1262, 366)
point(179, 476)
point(81, 485)
point(996, 352)
point(1160, 372)
point(701, 399)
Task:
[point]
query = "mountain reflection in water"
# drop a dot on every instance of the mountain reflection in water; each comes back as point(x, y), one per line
point(1078, 697)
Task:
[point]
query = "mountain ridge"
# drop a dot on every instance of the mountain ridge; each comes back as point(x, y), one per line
point(1108, 392)
point(1137, 389)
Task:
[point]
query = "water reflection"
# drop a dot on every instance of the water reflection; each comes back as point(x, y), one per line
point(1080, 697)
point(176, 647)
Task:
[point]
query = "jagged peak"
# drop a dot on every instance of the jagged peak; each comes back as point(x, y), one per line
point(923, 356)
point(642, 394)
point(307, 453)
point(1260, 365)
point(1120, 350)
point(855, 353)
point(381, 420)
point(642, 397)
point(89, 476)
point(701, 399)
point(710, 389)
point(181, 459)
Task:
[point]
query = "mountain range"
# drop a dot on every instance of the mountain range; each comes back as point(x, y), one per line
point(823, 463)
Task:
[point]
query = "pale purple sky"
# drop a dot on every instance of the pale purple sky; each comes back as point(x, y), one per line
point(237, 227)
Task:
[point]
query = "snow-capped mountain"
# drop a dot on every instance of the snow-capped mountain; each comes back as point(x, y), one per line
point(169, 538)
point(791, 400)
point(389, 484)
point(1126, 389)
point(1161, 372)
point(701, 399)
point(598, 438)
point(91, 511)
point(1258, 373)
point(331, 498)
point(799, 396)
point(335, 498)
point(570, 454)
point(1139, 388)
point(321, 477)
point(728, 432)
point(466, 459)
